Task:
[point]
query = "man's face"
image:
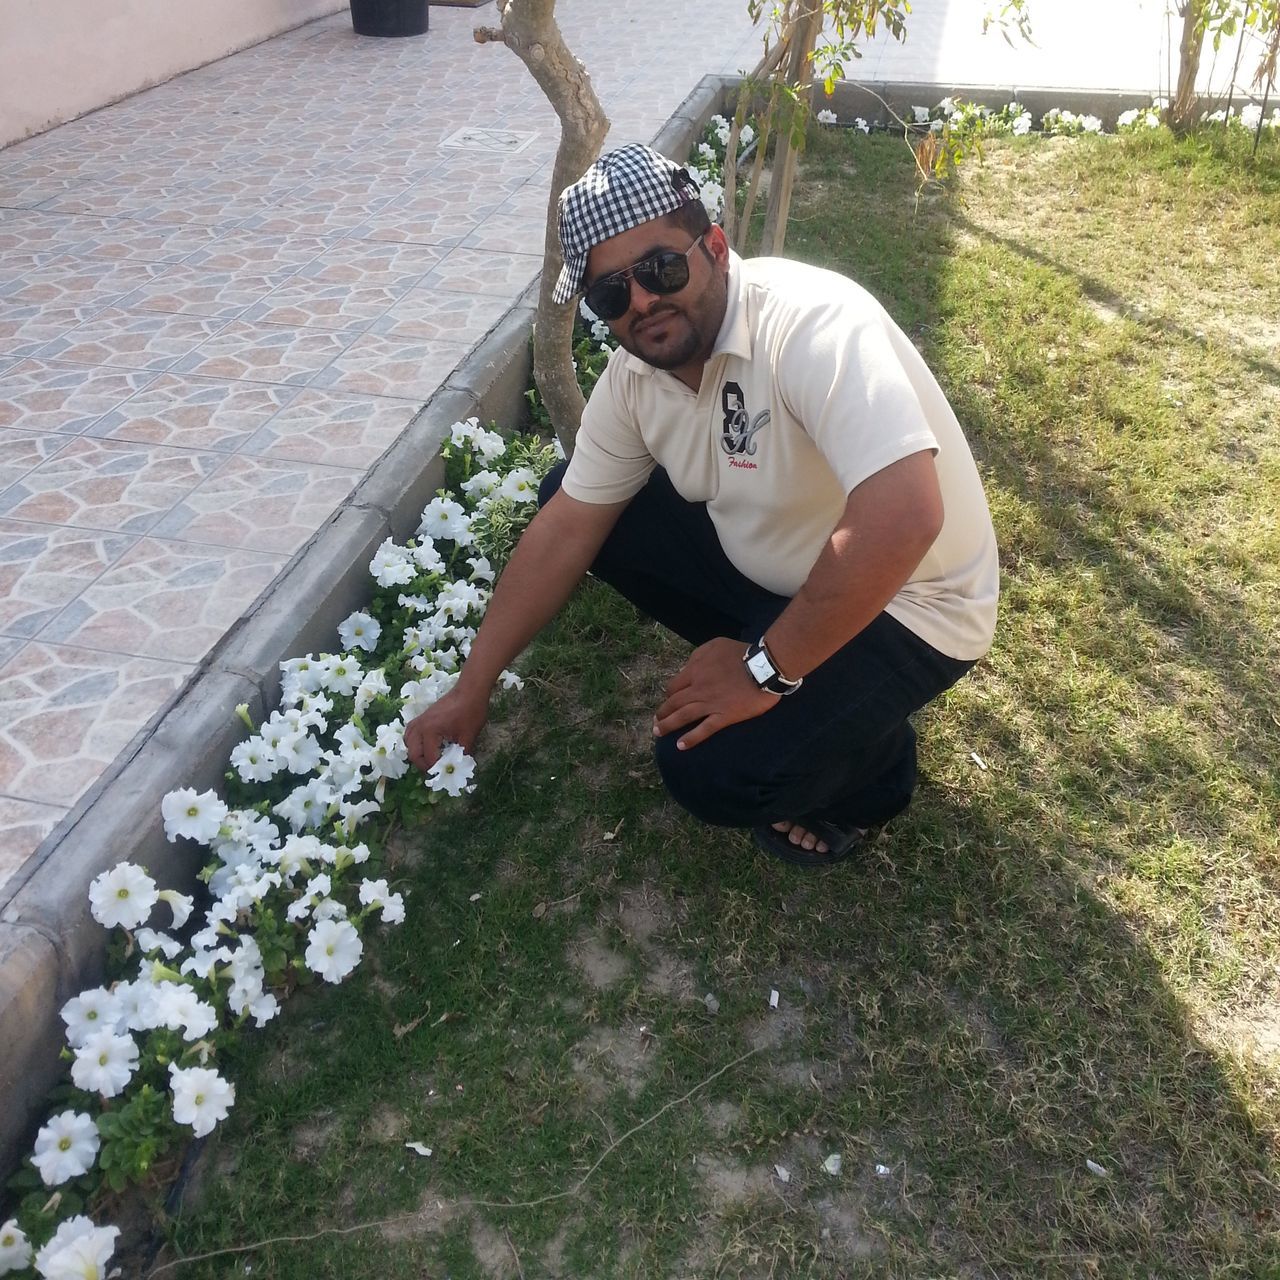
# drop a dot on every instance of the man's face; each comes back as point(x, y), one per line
point(675, 331)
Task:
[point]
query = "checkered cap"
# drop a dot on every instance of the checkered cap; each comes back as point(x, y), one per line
point(622, 189)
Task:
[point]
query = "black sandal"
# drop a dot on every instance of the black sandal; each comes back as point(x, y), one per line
point(841, 841)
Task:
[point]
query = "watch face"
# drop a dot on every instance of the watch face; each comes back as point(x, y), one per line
point(760, 667)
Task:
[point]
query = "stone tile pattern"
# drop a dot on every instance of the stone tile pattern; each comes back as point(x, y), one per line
point(220, 301)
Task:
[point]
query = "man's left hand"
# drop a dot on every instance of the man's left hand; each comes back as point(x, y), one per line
point(714, 689)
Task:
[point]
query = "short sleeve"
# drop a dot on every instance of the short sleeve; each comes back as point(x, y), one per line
point(841, 376)
point(611, 461)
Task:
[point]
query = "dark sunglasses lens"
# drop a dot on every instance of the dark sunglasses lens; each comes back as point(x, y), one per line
point(664, 273)
point(609, 298)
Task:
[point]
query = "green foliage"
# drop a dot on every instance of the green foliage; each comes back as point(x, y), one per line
point(134, 1136)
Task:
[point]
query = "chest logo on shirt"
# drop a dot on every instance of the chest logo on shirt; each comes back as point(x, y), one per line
point(738, 434)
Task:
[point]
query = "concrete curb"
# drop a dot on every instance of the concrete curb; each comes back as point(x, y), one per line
point(50, 946)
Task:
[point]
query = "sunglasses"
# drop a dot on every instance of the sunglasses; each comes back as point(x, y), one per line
point(663, 273)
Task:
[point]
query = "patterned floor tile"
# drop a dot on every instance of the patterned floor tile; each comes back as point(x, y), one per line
point(165, 600)
point(10, 647)
point(355, 262)
point(106, 484)
point(503, 275)
point(259, 503)
point(265, 353)
point(316, 304)
point(23, 827)
point(43, 568)
point(25, 330)
point(252, 252)
point(193, 413)
point(511, 231)
point(65, 713)
point(199, 291)
point(337, 430)
point(132, 339)
point(21, 452)
point(74, 281)
point(29, 230)
point(435, 315)
point(411, 369)
point(124, 238)
point(444, 219)
point(43, 395)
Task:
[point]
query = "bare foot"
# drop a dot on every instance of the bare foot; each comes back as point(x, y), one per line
point(801, 838)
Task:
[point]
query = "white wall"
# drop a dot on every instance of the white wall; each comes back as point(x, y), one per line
point(61, 58)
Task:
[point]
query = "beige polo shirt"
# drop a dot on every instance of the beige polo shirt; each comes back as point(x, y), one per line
point(810, 389)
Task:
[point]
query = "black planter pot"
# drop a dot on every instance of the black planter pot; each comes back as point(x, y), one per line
point(389, 17)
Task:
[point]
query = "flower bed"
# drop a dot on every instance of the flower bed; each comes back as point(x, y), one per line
point(310, 795)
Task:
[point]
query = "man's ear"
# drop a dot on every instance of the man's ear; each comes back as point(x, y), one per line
point(717, 245)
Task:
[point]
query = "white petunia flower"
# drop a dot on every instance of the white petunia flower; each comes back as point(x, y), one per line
point(90, 1012)
point(333, 949)
point(15, 1252)
point(150, 940)
point(426, 555)
point(354, 812)
point(442, 518)
point(490, 446)
point(201, 1097)
point(373, 685)
point(481, 569)
point(463, 433)
point(254, 761)
point(392, 566)
point(482, 483)
point(66, 1147)
point(375, 893)
point(78, 1251)
point(452, 771)
point(389, 757)
point(860, 124)
point(306, 805)
point(123, 896)
point(747, 135)
point(829, 117)
point(300, 753)
point(360, 631)
point(194, 815)
point(511, 681)
point(920, 115)
point(345, 673)
point(105, 1063)
point(181, 904)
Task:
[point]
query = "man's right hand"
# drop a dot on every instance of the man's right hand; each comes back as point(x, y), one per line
point(456, 717)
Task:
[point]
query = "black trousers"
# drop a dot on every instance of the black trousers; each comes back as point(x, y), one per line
point(839, 748)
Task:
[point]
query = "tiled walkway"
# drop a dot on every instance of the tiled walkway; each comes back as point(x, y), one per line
point(223, 298)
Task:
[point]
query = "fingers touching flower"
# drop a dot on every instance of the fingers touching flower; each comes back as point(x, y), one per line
point(452, 771)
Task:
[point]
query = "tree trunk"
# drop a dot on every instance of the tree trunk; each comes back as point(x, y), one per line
point(786, 153)
point(529, 30)
point(1182, 110)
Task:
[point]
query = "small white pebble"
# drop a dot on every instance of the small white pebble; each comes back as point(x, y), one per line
point(784, 1175)
point(978, 760)
point(773, 999)
point(713, 1005)
point(883, 1171)
point(1096, 1169)
point(475, 897)
point(418, 1148)
point(833, 1164)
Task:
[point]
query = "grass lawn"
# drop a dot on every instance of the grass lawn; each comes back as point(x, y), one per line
point(1067, 951)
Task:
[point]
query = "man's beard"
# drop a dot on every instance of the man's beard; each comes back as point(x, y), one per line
point(677, 351)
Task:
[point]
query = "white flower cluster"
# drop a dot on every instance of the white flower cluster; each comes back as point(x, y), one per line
point(1138, 119)
point(1057, 122)
point(1249, 118)
point(317, 768)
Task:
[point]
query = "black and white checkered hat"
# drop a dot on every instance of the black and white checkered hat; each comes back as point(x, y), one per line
point(622, 189)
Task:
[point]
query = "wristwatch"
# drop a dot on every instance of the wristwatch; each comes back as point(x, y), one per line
point(760, 667)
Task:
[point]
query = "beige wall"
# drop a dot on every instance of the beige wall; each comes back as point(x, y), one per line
point(61, 58)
